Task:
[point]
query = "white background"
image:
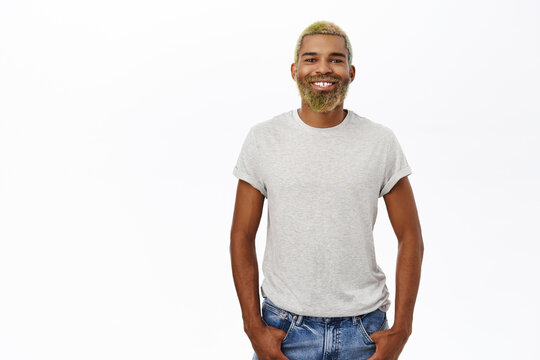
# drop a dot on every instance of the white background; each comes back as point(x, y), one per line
point(121, 122)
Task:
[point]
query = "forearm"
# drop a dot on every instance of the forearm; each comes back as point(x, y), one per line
point(246, 279)
point(409, 263)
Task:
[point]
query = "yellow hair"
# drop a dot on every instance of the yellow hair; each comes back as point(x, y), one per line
point(323, 27)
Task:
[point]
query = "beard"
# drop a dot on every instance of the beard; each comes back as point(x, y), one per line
point(322, 100)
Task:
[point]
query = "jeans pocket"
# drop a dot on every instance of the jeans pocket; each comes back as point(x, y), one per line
point(278, 318)
point(372, 322)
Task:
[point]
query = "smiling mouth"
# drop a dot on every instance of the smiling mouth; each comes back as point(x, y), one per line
point(323, 85)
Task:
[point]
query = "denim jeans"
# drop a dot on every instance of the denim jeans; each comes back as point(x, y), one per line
point(324, 338)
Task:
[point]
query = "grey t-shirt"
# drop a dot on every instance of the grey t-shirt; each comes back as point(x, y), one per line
point(322, 187)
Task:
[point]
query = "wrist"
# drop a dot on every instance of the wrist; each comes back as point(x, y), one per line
point(250, 326)
point(405, 329)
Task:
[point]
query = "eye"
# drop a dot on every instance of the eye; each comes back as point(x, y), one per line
point(337, 60)
point(309, 60)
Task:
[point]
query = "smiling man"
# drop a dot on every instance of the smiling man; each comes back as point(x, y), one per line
point(323, 169)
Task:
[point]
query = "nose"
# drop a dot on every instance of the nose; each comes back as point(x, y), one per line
point(323, 67)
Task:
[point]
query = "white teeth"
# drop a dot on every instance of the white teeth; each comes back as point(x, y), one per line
point(323, 84)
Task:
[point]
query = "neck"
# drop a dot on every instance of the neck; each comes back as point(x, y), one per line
point(324, 119)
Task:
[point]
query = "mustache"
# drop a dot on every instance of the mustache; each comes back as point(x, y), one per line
point(321, 78)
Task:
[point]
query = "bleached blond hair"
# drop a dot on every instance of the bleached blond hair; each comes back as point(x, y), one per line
point(323, 27)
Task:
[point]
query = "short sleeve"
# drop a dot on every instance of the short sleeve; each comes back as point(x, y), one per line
point(396, 165)
point(247, 166)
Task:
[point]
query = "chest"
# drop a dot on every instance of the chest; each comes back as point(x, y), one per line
point(323, 167)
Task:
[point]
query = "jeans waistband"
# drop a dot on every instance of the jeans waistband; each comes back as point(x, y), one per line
point(299, 318)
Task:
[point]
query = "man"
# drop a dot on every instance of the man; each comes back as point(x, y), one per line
point(323, 169)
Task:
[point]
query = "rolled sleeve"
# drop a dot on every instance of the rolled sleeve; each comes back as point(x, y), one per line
point(248, 164)
point(396, 165)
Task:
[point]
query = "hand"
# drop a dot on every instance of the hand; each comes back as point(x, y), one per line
point(389, 343)
point(266, 341)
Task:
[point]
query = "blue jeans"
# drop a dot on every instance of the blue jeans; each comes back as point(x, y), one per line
point(324, 338)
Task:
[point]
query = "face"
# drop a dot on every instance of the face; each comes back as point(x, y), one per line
point(323, 74)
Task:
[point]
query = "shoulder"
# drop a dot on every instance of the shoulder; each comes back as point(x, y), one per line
point(375, 130)
point(271, 126)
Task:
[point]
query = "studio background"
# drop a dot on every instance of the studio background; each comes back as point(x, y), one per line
point(121, 122)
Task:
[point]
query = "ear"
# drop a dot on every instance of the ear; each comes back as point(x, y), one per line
point(293, 71)
point(352, 72)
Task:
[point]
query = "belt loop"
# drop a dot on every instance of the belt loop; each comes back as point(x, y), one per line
point(299, 320)
point(355, 319)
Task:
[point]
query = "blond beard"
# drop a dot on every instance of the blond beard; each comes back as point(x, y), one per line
point(322, 101)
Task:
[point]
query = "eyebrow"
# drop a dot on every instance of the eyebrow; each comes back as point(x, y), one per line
point(331, 54)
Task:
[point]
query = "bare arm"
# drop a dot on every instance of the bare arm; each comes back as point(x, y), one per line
point(266, 340)
point(404, 218)
point(247, 215)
